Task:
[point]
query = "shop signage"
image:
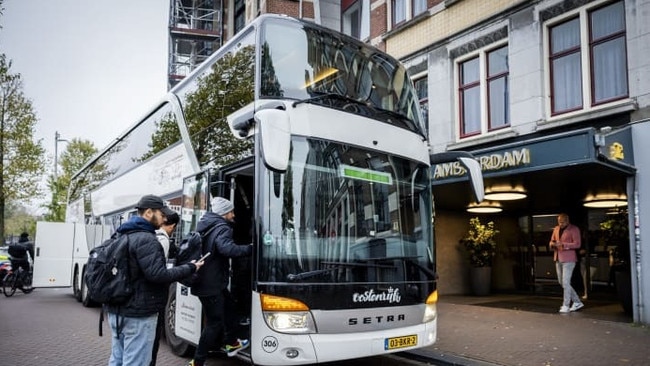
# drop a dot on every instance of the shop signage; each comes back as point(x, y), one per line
point(554, 151)
point(491, 162)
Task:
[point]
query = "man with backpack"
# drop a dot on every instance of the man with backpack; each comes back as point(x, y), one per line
point(19, 251)
point(212, 285)
point(133, 323)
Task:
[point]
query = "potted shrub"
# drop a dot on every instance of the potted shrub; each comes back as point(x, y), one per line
point(481, 249)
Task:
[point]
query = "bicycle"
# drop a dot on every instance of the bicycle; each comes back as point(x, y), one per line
point(17, 279)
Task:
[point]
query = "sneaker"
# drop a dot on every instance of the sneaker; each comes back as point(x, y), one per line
point(576, 306)
point(233, 349)
point(564, 309)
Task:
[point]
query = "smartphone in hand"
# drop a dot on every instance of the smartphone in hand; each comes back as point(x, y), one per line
point(205, 256)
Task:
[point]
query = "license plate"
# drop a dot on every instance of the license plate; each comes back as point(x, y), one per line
point(400, 342)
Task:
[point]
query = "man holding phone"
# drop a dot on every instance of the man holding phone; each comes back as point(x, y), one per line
point(212, 287)
point(565, 240)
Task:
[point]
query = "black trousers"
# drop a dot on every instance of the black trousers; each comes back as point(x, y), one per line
point(221, 325)
point(156, 341)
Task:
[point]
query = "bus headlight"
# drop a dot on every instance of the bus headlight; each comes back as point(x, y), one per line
point(286, 315)
point(430, 310)
point(290, 322)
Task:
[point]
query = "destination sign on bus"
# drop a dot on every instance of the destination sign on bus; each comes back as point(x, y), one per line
point(352, 172)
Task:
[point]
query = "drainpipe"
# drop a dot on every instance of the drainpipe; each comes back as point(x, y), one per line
point(639, 313)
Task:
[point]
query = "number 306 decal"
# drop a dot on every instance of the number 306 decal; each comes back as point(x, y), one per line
point(269, 344)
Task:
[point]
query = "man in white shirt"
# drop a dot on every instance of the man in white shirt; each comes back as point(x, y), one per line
point(170, 220)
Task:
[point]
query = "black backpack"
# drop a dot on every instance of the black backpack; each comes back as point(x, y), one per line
point(191, 248)
point(17, 251)
point(108, 277)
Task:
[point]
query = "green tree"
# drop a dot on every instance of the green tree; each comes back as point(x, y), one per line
point(18, 220)
point(71, 160)
point(21, 158)
point(227, 88)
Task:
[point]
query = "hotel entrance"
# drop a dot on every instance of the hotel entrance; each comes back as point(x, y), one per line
point(582, 173)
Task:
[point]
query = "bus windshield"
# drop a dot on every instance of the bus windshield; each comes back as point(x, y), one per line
point(314, 66)
point(341, 214)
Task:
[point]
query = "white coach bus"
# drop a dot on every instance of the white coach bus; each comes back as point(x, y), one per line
point(318, 140)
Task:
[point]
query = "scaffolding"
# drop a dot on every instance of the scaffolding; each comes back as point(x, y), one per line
point(195, 32)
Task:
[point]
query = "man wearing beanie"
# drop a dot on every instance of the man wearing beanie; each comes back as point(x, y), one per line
point(212, 287)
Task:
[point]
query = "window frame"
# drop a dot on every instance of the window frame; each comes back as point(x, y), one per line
point(424, 101)
point(409, 6)
point(483, 83)
point(588, 78)
point(348, 15)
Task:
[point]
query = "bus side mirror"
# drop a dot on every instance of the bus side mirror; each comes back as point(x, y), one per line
point(275, 132)
point(470, 163)
point(475, 176)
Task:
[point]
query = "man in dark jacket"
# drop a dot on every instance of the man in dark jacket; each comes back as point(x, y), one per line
point(212, 288)
point(19, 252)
point(133, 324)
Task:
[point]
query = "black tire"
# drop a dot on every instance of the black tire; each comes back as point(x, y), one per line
point(76, 291)
point(27, 283)
point(178, 346)
point(86, 301)
point(9, 285)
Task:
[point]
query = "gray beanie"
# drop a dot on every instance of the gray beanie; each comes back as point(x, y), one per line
point(221, 206)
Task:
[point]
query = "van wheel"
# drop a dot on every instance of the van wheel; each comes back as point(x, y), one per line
point(178, 346)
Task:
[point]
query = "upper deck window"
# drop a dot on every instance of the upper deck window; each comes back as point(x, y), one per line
point(338, 72)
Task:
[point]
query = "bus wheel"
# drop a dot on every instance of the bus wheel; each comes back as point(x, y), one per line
point(85, 297)
point(76, 291)
point(178, 346)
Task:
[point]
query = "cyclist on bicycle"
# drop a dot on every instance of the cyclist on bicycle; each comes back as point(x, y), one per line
point(19, 253)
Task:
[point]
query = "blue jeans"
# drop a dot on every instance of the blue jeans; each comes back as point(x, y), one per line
point(564, 273)
point(132, 346)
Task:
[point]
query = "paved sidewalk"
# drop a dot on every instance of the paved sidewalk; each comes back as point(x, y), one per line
point(485, 335)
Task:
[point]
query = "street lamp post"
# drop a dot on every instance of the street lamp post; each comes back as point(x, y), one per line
point(57, 139)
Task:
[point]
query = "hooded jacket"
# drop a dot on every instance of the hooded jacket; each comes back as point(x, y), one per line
point(149, 271)
point(214, 274)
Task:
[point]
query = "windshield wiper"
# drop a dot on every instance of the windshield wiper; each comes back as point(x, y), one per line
point(411, 260)
point(337, 265)
point(330, 95)
point(404, 119)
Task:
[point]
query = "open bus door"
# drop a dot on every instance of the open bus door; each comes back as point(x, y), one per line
point(53, 252)
point(183, 313)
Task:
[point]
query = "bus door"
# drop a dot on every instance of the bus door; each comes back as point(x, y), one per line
point(236, 183)
point(187, 309)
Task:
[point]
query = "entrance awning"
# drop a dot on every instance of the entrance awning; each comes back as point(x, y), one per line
point(555, 170)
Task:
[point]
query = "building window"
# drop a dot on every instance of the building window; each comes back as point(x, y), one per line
point(483, 92)
point(399, 11)
point(403, 10)
point(352, 20)
point(600, 34)
point(421, 87)
point(498, 88)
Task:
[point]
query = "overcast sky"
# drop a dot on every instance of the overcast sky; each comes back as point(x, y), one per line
point(90, 68)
